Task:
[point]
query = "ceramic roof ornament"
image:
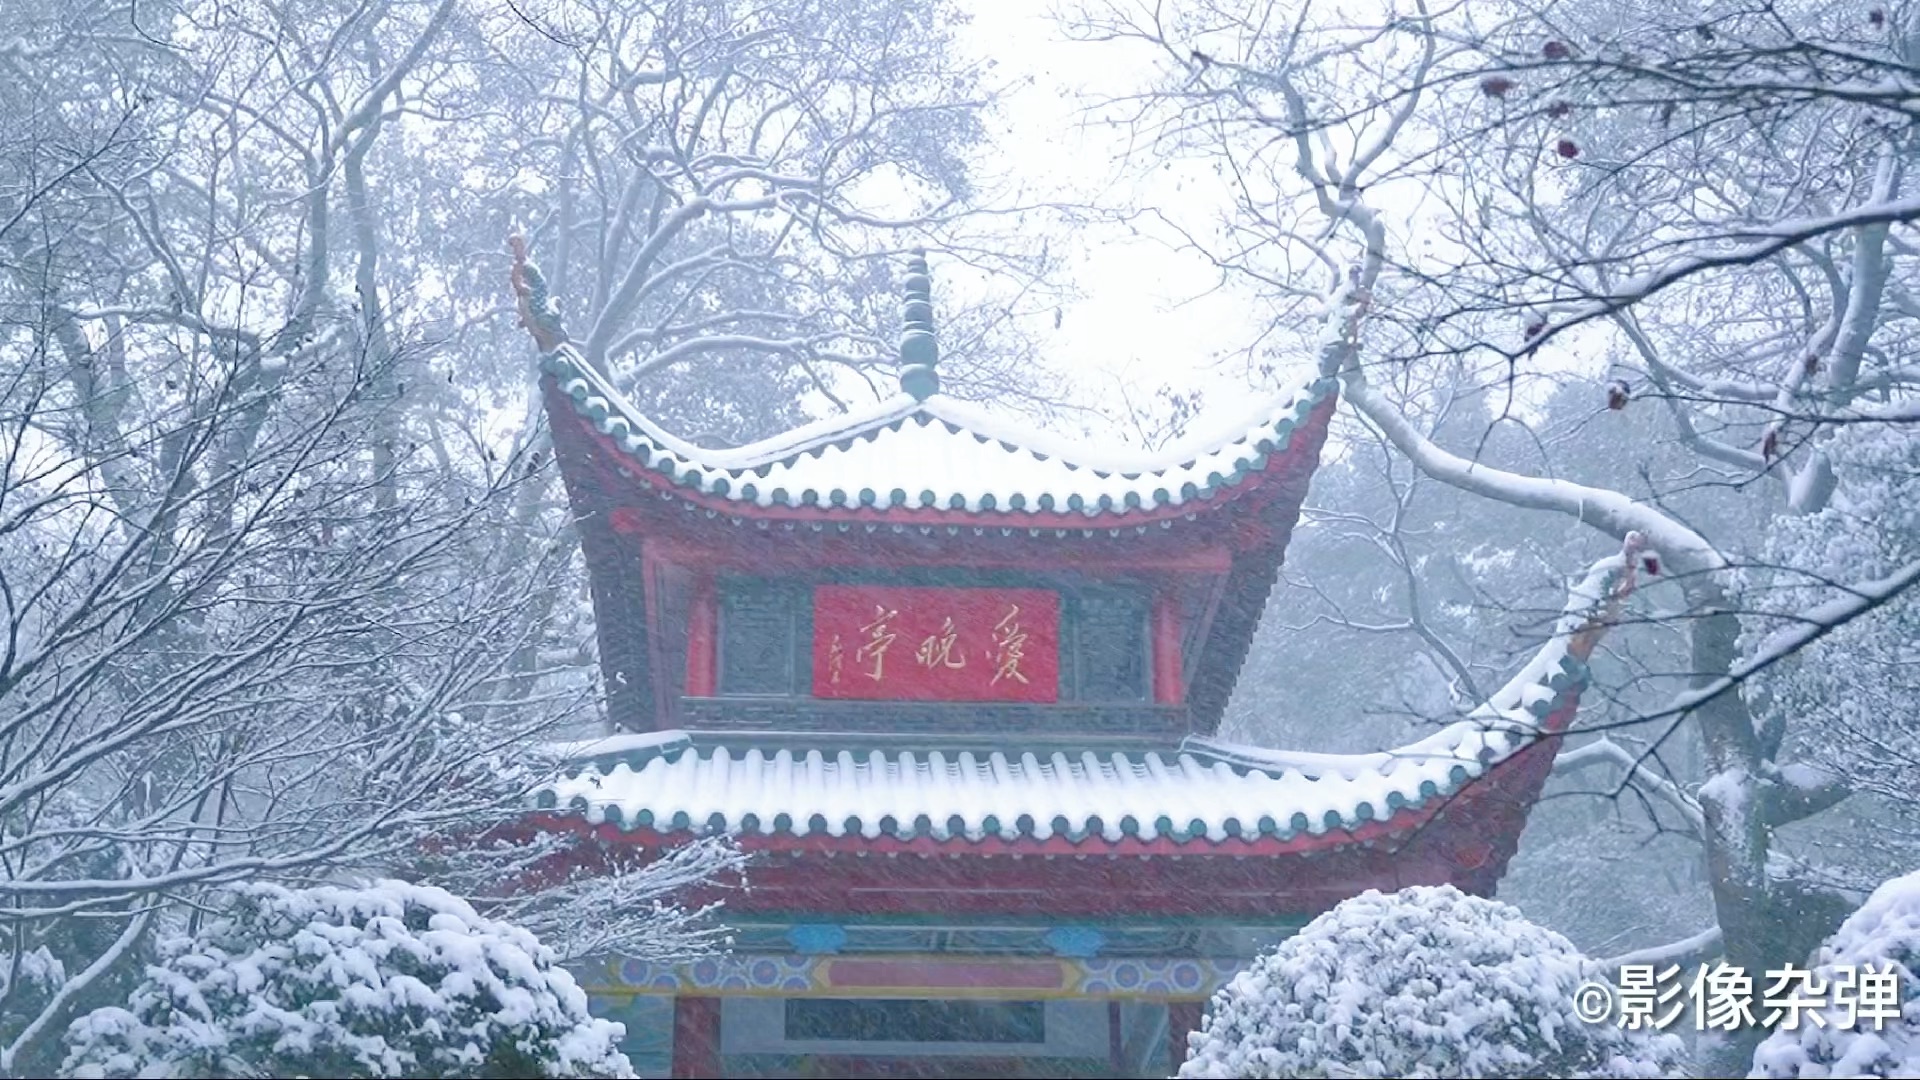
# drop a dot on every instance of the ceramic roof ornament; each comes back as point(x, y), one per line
point(539, 312)
point(919, 349)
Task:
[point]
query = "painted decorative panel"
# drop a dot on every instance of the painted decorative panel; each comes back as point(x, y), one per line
point(884, 642)
point(756, 638)
point(923, 976)
point(1110, 652)
point(952, 974)
point(916, 1020)
point(1053, 1030)
point(1173, 977)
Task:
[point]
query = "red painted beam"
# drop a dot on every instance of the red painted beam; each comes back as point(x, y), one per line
point(703, 620)
point(1167, 686)
point(1183, 1019)
point(696, 1038)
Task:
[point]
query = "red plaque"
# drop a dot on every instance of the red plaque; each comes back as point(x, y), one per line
point(901, 643)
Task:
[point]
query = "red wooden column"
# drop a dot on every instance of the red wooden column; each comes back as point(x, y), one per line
point(703, 621)
point(1183, 1018)
point(696, 1038)
point(1166, 648)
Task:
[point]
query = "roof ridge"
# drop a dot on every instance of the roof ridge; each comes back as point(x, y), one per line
point(1058, 477)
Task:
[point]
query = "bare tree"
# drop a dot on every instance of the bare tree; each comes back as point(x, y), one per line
point(256, 618)
point(729, 184)
point(1714, 203)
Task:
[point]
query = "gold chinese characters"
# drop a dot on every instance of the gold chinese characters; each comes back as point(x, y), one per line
point(879, 635)
point(1009, 644)
point(937, 650)
point(944, 649)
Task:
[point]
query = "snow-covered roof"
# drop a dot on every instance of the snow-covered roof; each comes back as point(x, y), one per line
point(1203, 790)
point(1188, 794)
point(938, 453)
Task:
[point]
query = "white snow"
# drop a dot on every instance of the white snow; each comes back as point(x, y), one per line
point(626, 742)
point(1886, 930)
point(942, 445)
point(1729, 790)
point(1608, 511)
point(1236, 427)
point(928, 453)
point(38, 971)
point(389, 980)
point(858, 792)
point(1423, 982)
point(1803, 777)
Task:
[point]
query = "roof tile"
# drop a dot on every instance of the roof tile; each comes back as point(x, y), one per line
point(940, 453)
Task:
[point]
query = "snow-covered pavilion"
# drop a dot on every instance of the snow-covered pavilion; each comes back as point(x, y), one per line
point(955, 684)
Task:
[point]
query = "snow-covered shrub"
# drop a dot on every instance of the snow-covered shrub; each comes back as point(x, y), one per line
point(389, 980)
point(40, 956)
point(1885, 930)
point(1426, 982)
point(29, 978)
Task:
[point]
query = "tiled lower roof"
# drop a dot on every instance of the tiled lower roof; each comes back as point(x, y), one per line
point(1190, 794)
point(1202, 791)
point(939, 454)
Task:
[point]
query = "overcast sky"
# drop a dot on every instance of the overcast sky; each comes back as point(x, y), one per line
point(1150, 314)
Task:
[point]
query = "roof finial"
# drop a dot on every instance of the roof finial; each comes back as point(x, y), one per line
point(538, 311)
point(919, 352)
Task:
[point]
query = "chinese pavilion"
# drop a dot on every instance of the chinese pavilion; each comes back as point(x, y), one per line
point(954, 684)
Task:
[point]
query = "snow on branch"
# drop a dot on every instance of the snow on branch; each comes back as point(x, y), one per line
point(1688, 952)
point(1606, 510)
point(1605, 751)
point(1810, 626)
point(1758, 243)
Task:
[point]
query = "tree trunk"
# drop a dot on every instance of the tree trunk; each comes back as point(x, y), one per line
point(1737, 835)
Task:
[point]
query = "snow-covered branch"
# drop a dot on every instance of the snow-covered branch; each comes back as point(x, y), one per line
point(1604, 751)
point(1688, 952)
point(1809, 626)
point(1608, 511)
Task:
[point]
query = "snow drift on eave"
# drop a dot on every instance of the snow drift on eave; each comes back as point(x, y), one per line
point(940, 453)
point(1205, 791)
